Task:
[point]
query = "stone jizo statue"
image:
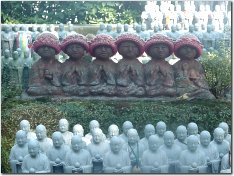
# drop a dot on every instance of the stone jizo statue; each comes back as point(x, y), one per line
point(101, 29)
point(125, 127)
point(78, 130)
point(35, 161)
point(161, 128)
point(181, 137)
point(25, 126)
point(148, 131)
point(93, 124)
point(63, 128)
point(18, 152)
point(113, 130)
point(227, 136)
point(193, 129)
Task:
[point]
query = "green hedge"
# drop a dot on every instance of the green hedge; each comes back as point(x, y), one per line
point(207, 114)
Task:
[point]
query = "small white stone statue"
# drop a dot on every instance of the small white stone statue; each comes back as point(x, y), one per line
point(77, 160)
point(25, 126)
point(211, 152)
point(161, 128)
point(18, 151)
point(92, 125)
point(153, 159)
point(35, 161)
point(78, 130)
point(113, 130)
point(63, 128)
point(181, 134)
point(219, 142)
point(44, 142)
point(172, 151)
point(193, 160)
point(99, 146)
point(116, 160)
point(126, 126)
point(134, 149)
point(193, 130)
point(57, 153)
point(227, 136)
point(148, 131)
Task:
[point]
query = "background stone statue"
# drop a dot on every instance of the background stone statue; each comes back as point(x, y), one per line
point(225, 128)
point(25, 126)
point(92, 125)
point(113, 130)
point(181, 135)
point(101, 29)
point(78, 130)
point(161, 128)
point(192, 129)
point(7, 39)
point(125, 127)
point(148, 131)
point(63, 128)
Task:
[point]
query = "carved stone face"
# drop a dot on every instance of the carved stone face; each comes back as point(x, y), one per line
point(78, 130)
point(126, 127)
point(149, 130)
point(76, 144)
point(21, 138)
point(40, 133)
point(113, 131)
point(159, 51)
point(63, 126)
point(192, 143)
point(33, 148)
point(75, 51)
point(181, 134)
point(132, 136)
point(103, 52)
point(219, 135)
point(161, 129)
point(46, 52)
point(154, 143)
point(187, 52)
point(205, 139)
point(97, 136)
point(25, 126)
point(169, 140)
point(128, 50)
point(115, 144)
point(192, 129)
point(57, 141)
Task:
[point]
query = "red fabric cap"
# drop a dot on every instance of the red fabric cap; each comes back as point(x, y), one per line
point(131, 37)
point(102, 39)
point(74, 38)
point(158, 39)
point(46, 39)
point(190, 40)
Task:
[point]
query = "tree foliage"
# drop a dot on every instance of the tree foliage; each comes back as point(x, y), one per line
point(78, 12)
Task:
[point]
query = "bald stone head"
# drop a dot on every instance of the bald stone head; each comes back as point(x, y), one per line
point(169, 138)
point(63, 125)
point(21, 138)
point(98, 135)
point(181, 133)
point(126, 126)
point(225, 128)
point(93, 124)
point(25, 125)
point(218, 135)
point(41, 132)
point(76, 143)
point(192, 143)
point(33, 148)
point(116, 144)
point(57, 139)
point(154, 143)
point(161, 128)
point(149, 130)
point(192, 128)
point(205, 138)
point(133, 136)
point(78, 130)
point(113, 130)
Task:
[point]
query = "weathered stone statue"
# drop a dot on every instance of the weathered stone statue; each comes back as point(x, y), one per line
point(159, 75)
point(118, 30)
point(61, 32)
point(35, 161)
point(193, 130)
point(44, 142)
point(25, 126)
point(219, 142)
point(116, 160)
point(148, 131)
point(77, 160)
point(192, 160)
point(51, 29)
point(126, 27)
point(103, 69)
point(189, 73)
point(113, 130)
point(130, 73)
point(144, 34)
point(75, 69)
point(15, 34)
point(153, 159)
point(197, 32)
point(34, 33)
point(101, 29)
point(161, 128)
point(7, 39)
point(181, 135)
point(125, 127)
point(109, 30)
point(6, 58)
point(15, 70)
point(173, 34)
point(209, 38)
point(155, 30)
point(57, 153)
point(27, 58)
point(93, 124)
point(18, 152)
point(63, 128)
point(46, 72)
point(172, 151)
point(70, 30)
point(134, 149)
point(78, 130)
point(212, 154)
point(225, 128)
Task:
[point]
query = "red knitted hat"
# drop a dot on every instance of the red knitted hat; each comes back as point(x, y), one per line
point(46, 39)
point(133, 38)
point(102, 39)
point(159, 39)
point(190, 40)
point(74, 38)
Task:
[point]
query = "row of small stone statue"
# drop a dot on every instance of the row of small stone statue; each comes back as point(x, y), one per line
point(157, 152)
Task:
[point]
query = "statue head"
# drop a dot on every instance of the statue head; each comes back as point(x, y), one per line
point(41, 132)
point(168, 138)
point(7, 53)
point(98, 136)
point(78, 130)
point(116, 144)
point(93, 124)
point(76, 143)
point(178, 27)
point(173, 28)
point(33, 148)
point(191, 28)
point(159, 46)
point(154, 143)
point(16, 28)
point(70, 27)
point(113, 130)
point(149, 130)
point(130, 46)
point(15, 55)
point(34, 28)
point(103, 47)
point(75, 46)
point(61, 26)
point(57, 139)
point(225, 128)
point(160, 27)
point(205, 138)
point(187, 47)
point(133, 136)
point(19, 51)
point(138, 28)
point(125, 27)
point(119, 28)
point(181, 133)
point(126, 126)
point(25, 126)
point(46, 45)
point(8, 28)
point(156, 28)
point(21, 138)
point(192, 128)
point(109, 28)
point(161, 128)
point(196, 27)
point(143, 27)
point(102, 27)
point(63, 125)
point(51, 28)
point(134, 25)
point(218, 135)
point(192, 143)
